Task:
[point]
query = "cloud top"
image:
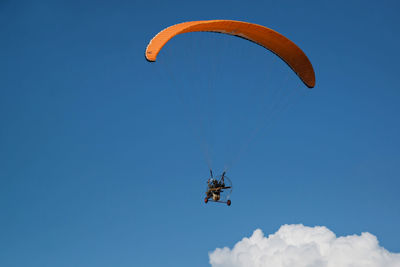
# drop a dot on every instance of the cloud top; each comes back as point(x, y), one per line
point(302, 246)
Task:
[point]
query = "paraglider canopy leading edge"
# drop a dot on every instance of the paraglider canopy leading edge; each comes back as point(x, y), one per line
point(269, 39)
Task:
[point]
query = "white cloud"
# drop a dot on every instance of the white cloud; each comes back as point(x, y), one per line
point(302, 246)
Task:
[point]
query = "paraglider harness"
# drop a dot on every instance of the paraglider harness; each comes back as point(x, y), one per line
point(214, 183)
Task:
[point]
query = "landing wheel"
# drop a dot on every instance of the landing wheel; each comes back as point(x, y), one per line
point(228, 202)
point(206, 200)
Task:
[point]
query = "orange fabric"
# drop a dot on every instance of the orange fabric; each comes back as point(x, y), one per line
point(270, 39)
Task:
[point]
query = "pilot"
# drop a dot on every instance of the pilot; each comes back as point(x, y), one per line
point(215, 183)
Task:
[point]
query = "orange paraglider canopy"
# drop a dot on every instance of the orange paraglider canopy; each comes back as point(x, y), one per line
point(270, 39)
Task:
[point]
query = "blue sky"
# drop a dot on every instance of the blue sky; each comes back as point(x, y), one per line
point(98, 166)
